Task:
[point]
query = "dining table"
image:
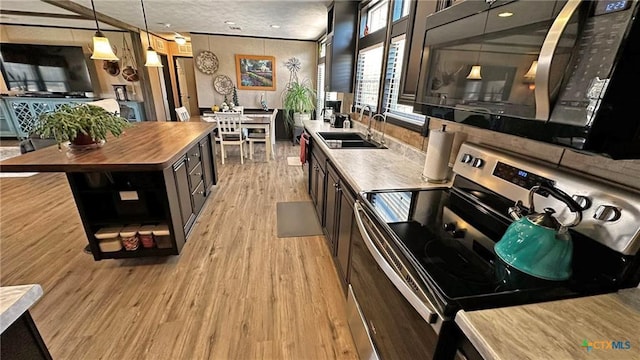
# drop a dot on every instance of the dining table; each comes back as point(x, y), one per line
point(264, 120)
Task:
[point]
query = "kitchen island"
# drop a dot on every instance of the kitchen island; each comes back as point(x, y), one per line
point(157, 174)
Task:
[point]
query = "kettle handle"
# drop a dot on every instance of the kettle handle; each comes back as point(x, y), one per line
point(560, 195)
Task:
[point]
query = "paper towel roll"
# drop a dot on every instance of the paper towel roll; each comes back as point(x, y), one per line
point(436, 165)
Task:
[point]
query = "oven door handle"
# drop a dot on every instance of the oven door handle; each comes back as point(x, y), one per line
point(542, 91)
point(428, 314)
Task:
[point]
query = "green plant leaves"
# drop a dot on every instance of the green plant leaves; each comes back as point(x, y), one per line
point(65, 123)
point(298, 97)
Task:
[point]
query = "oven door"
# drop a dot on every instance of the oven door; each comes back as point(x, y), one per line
point(389, 315)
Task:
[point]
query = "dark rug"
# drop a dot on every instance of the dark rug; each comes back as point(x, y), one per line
point(297, 218)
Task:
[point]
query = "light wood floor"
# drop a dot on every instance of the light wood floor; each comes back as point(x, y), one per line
point(237, 291)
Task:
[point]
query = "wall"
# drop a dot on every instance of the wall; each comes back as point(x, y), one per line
point(75, 37)
point(226, 47)
point(623, 172)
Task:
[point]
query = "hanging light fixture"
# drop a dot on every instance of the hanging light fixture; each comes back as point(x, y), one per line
point(474, 74)
point(531, 73)
point(153, 60)
point(530, 76)
point(101, 47)
point(179, 39)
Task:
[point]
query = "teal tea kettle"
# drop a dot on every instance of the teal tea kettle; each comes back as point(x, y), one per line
point(537, 244)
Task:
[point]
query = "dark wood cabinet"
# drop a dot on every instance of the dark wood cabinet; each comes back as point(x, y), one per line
point(332, 207)
point(333, 199)
point(181, 177)
point(413, 51)
point(317, 180)
point(339, 219)
point(341, 42)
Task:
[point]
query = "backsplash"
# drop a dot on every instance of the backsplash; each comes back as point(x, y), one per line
point(413, 147)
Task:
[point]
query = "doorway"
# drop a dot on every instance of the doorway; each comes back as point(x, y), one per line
point(186, 84)
point(167, 88)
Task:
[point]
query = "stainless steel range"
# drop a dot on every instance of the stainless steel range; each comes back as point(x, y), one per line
point(419, 256)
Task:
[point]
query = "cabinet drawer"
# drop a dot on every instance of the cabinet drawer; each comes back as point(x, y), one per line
point(195, 176)
point(198, 197)
point(193, 157)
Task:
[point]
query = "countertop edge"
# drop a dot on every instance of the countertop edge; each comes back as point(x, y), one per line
point(20, 303)
point(313, 130)
point(474, 336)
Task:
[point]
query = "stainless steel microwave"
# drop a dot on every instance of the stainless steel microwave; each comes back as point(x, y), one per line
point(562, 72)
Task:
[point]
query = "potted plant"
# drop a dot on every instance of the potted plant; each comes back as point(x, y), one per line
point(84, 125)
point(299, 99)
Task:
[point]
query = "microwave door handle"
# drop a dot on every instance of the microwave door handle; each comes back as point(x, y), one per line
point(542, 91)
point(429, 315)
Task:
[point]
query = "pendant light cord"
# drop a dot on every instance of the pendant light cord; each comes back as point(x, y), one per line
point(95, 17)
point(144, 15)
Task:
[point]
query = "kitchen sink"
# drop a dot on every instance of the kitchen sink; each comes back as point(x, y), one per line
point(348, 140)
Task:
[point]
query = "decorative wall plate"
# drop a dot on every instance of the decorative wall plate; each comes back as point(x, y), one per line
point(207, 62)
point(223, 85)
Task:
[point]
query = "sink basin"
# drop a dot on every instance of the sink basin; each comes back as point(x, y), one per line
point(348, 140)
point(341, 135)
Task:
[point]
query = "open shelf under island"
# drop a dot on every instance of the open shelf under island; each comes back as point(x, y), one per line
point(156, 173)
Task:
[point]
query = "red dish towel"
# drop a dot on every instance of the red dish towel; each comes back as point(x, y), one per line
point(304, 139)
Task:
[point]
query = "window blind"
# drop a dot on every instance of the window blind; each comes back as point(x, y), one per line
point(392, 83)
point(368, 72)
point(320, 91)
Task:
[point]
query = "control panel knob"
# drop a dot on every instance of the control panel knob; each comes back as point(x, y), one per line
point(458, 234)
point(478, 163)
point(607, 213)
point(583, 201)
point(467, 158)
point(449, 226)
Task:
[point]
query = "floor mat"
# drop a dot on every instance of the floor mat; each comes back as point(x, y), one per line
point(297, 218)
point(293, 160)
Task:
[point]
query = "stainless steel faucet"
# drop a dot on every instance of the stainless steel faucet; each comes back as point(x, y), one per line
point(370, 117)
point(384, 121)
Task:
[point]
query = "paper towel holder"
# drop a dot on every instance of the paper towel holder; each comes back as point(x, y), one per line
point(443, 168)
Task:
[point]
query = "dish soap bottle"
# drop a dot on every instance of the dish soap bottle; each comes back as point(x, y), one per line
point(346, 124)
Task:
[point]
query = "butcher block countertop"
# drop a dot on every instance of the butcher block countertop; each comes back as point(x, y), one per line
point(149, 145)
point(371, 169)
point(558, 329)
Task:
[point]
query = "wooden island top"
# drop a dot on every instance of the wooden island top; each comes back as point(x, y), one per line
point(146, 146)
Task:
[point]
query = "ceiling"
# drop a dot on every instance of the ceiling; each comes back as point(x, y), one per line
point(299, 19)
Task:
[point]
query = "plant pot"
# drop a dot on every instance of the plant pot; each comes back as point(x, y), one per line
point(299, 117)
point(84, 142)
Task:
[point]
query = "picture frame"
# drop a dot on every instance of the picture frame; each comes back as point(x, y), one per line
point(256, 72)
point(121, 92)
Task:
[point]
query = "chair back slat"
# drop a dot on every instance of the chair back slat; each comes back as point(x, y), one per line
point(229, 123)
point(183, 114)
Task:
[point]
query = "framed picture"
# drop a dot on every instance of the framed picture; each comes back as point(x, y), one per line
point(121, 92)
point(256, 72)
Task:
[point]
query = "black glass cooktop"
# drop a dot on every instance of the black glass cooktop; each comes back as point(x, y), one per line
point(460, 268)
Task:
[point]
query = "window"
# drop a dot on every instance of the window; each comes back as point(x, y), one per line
point(320, 90)
point(375, 18)
point(392, 84)
point(323, 49)
point(368, 72)
point(400, 9)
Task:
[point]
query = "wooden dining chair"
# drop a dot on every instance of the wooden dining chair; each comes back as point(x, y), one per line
point(230, 132)
point(257, 137)
point(183, 114)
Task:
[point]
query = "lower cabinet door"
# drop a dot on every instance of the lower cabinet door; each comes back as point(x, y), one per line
point(198, 195)
point(206, 163)
point(184, 194)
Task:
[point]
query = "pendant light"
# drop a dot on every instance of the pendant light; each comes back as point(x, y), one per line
point(153, 60)
point(474, 74)
point(179, 39)
point(101, 47)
